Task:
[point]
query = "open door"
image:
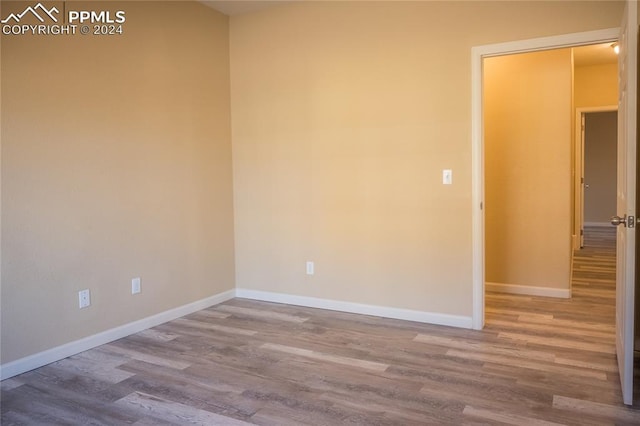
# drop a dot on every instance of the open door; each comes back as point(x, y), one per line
point(580, 169)
point(626, 195)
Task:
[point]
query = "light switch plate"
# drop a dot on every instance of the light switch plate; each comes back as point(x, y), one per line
point(135, 286)
point(447, 177)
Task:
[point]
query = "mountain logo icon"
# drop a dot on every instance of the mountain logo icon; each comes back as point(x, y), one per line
point(38, 11)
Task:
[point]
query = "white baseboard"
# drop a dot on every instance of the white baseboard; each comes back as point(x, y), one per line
point(599, 224)
point(357, 308)
point(561, 293)
point(40, 359)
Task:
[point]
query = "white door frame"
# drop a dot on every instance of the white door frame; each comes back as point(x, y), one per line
point(477, 138)
point(579, 170)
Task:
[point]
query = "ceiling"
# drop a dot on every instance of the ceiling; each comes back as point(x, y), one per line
point(595, 54)
point(237, 7)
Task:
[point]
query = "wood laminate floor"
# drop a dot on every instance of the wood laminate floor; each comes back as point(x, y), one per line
point(539, 361)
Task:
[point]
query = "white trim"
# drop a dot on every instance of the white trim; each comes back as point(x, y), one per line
point(604, 108)
point(477, 144)
point(561, 293)
point(477, 190)
point(40, 359)
point(548, 43)
point(599, 224)
point(357, 308)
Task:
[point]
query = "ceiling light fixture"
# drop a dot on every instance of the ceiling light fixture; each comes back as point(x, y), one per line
point(616, 48)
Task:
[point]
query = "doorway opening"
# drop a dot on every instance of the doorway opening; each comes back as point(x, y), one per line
point(626, 170)
point(479, 54)
point(531, 191)
point(595, 164)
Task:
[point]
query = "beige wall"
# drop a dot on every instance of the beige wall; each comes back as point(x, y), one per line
point(600, 159)
point(527, 107)
point(116, 163)
point(343, 117)
point(596, 85)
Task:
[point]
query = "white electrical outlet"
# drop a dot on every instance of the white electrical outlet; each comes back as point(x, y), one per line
point(310, 268)
point(135, 286)
point(84, 298)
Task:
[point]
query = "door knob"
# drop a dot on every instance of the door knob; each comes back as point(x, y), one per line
point(617, 220)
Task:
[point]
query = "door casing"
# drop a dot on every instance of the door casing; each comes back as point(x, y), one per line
point(478, 53)
point(578, 177)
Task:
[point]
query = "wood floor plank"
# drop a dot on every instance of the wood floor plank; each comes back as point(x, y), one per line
point(408, 411)
point(261, 313)
point(504, 418)
point(489, 347)
point(559, 342)
point(532, 365)
point(153, 359)
point(209, 313)
point(215, 327)
point(353, 362)
point(157, 335)
point(558, 329)
point(582, 407)
point(517, 312)
point(49, 404)
point(88, 367)
point(10, 384)
point(576, 325)
point(158, 408)
point(609, 366)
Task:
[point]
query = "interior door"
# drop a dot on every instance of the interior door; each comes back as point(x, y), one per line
point(626, 215)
